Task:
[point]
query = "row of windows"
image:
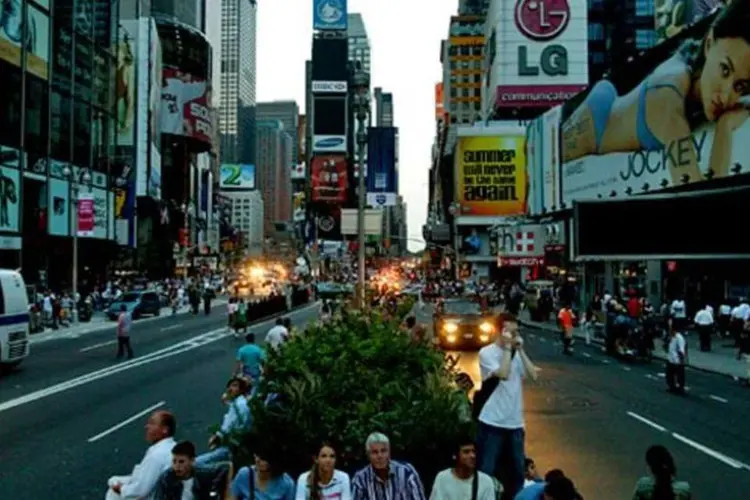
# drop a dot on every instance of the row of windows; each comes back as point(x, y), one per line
point(466, 78)
point(458, 65)
point(465, 92)
point(465, 50)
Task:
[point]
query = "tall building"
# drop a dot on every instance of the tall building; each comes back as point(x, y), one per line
point(383, 108)
point(247, 216)
point(190, 12)
point(274, 149)
point(238, 63)
point(287, 112)
point(359, 43)
point(462, 59)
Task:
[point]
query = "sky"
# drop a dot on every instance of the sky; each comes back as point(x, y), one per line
point(405, 40)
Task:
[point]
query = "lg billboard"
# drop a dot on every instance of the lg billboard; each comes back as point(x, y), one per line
point(537, 51)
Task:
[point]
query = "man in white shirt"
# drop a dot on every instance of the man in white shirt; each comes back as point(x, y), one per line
point(277, 335)
point(724, 319)
point(458, 482)
point(678, 312)
point(740, 314)
point(141, 483)
point(704, 323)
point(500, 438)
point(676, 359)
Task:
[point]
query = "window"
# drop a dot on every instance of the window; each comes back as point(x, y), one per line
point(37, 97)
point(645, 39)
point(329, 116)
point(10, 105)
point(62, 56)
point(84, 69)
point(596, 31)
point(82, 134)
point(644, 8)
point(60, 112)
point(101, 86)
point(37, 52)
point(84, 18)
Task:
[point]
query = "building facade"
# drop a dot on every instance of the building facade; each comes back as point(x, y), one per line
point(359, 43)
point(287, 112)
point(274, 175)
point(247, 216)
point(237, 113)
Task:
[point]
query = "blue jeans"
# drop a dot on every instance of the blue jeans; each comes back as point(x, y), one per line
point(500, 453)
point(215, 456)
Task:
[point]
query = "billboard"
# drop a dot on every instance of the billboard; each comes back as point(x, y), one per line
point(58, 206)
point(32, 35)
point(381, 160)
point(540, 53)
point(543, 160)
point(154, 112)
point(491, 175)
point(185, 105)
point(666, 227)
point(329, 178)
point(237, 177)
point(125, 95)
point(439, 101)
point(682, 121)
point(329, 15)
point(329, 144)
point(329, 87)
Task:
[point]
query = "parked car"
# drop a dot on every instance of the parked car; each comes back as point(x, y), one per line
point(138, 304)
point(461, 323)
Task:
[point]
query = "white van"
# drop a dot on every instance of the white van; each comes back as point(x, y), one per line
point(14, 319)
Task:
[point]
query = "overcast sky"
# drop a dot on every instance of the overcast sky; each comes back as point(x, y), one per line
point(405, 39)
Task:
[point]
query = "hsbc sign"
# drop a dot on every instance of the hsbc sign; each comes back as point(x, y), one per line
point(329, 87)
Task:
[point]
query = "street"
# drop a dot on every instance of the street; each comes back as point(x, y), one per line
point(594, 418)
point(75, 417)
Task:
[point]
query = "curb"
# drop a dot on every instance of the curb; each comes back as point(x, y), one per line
point(656, 355)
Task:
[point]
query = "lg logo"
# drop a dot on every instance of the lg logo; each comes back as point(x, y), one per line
point(541, 21)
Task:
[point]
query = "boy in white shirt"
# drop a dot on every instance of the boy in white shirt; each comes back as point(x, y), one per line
point(676, 359)
point(464, 481)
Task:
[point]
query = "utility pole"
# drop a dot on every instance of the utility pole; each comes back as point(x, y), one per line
point(361, 86)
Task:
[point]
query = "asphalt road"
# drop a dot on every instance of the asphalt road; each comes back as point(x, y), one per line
point(594, 418)
point(73, 416)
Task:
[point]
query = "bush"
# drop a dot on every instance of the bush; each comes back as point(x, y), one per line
point(341, 381)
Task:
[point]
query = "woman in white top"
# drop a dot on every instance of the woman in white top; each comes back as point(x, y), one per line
point(323, 481)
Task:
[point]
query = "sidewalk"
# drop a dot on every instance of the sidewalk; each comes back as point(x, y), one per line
point(721, 360)
point(99, 322)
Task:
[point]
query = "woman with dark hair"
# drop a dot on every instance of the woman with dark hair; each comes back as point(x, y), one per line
point(706, 80)
point(323, 481)
point(662, 484)
point(263, 481)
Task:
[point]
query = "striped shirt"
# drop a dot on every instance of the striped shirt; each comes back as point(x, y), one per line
point(403, 484)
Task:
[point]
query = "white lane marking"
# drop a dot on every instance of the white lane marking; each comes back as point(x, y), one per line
point(126, 422)
point(173, 327)
point(736, 464)
point(650, 377)
point(626, 368)
point(661, 375)
point(646, 421)
point(174, 350)
point(97, 346)
point(586, 355)
point(717, 398)
point(606, 361)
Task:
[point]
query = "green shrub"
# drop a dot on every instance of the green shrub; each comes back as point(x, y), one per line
point(341, 381)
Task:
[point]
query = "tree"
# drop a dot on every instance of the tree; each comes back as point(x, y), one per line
point(341, 381)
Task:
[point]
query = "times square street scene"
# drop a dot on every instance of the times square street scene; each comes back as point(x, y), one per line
point(344, 249)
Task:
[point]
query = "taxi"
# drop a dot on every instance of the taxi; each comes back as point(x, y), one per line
point(462, 323)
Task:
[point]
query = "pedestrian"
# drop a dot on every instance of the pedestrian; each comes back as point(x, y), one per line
point(676, 358)
point(323, 480)
point(250, 359)
point(566, 319)
point(704, 322)
point(463, 480)
point(499, 406)
point(662, 484)
point(124, 324)
point(744, 350)
point(265, 480)
point(383, 477)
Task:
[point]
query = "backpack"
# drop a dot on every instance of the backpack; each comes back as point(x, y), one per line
point(483, 395)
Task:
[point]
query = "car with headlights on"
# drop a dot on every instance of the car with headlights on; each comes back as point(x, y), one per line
point(462, 323)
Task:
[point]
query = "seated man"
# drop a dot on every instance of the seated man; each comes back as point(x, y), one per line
point(187, 480)
point(141, 483)
point(236, 419)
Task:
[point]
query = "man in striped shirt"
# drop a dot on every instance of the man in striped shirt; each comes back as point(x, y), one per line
point(385, 479)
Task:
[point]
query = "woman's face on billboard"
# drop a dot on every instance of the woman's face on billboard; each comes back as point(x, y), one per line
point(726, 75)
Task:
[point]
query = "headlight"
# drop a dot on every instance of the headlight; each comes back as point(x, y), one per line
point(487, 327)
point(484, 338)
point(450, 327)
point(451, 338)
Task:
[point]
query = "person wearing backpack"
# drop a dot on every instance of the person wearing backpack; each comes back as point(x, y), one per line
point(498, 406)
point(463, 481)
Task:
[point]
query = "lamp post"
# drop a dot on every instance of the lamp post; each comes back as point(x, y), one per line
point(85, 178)
point(361, 86)
point(189, 210)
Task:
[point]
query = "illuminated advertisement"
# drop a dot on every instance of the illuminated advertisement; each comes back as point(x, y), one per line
point(439, 101)
point(329, 178)
point(329, 15)
point(237, 176)
point(9, 199)
point(543, 160)
point(184, 105)
point(34, 38)
point(684, 121)
point(58, 207)
point(538, 55)
point(491, 175)
point(125, 90)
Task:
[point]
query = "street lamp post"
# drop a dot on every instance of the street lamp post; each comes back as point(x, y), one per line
point(361, 82)
point(85, 178)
